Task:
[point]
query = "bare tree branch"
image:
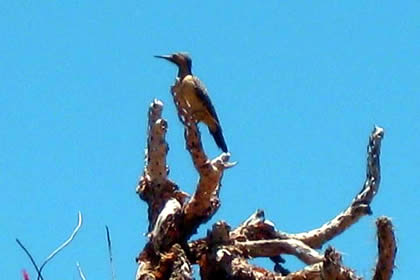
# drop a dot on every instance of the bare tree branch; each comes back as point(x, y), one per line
point(181, 267)
point(224, 260)
point(31, 258)
point(258, 237)
point(224, 253)
point(163, 197)
point(157, 148)
point(275, 247)
point(166, 232)
point(257, 227)
point(173, 264)
point(65, 243)
point(79, 269)
point(108, 239)
point(333, 269)
point(387, 249)
point(154, 186)
point(55, 252)
point(360, 205)
point(236, 267)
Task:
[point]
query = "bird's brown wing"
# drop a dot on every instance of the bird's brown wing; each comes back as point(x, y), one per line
point(203, 96)
point(216, 129)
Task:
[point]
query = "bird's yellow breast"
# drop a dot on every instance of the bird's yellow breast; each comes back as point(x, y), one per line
point(189, 93)
point(197, 106)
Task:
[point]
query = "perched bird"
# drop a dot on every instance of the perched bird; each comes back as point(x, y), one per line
point(195, 94)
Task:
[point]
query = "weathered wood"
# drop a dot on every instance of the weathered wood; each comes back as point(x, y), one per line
point(224, 253)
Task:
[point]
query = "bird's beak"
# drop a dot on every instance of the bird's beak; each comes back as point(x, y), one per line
point(167, 57)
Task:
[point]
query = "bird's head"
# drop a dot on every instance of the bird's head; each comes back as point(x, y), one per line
point(181, 59)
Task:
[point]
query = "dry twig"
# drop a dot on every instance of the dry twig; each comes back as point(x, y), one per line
point(81, 274)
point(56, 251)
point(108, 239)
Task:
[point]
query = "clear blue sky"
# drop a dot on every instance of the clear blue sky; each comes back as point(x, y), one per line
point(298, 87)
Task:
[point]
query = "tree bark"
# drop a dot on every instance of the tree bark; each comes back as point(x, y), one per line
point(174, 216)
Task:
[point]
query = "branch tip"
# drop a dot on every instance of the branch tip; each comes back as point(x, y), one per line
point(387, 249)
point(64, 244)
point(378, 132)
point(81, 274)
point(222, 161)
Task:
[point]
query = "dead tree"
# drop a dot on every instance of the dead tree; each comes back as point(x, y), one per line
point(174, 217)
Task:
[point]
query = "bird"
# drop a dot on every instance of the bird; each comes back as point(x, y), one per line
point(193, 91)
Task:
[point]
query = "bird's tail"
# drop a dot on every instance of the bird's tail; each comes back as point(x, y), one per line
point(217, 134)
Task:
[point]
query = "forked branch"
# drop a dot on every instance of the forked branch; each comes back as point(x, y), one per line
point(225, 253)
point(56, 251)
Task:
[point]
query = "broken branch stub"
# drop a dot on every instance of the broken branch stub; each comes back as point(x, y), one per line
point(154, 186)
point(387, 249)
